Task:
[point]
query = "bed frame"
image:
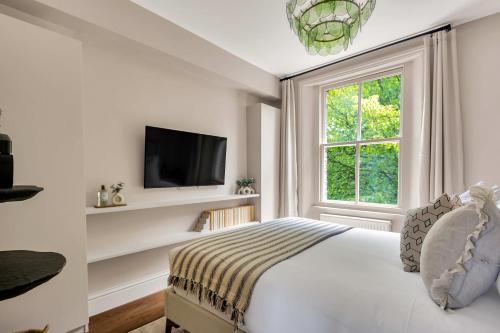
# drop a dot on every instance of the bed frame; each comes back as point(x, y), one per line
point(195, 319)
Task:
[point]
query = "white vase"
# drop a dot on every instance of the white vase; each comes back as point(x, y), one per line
point(118, 199)
point(246, 190)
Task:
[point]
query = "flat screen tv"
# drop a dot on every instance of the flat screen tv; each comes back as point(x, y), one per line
point(179, 159)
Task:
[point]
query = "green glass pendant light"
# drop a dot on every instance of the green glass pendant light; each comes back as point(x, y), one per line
point(328, 26)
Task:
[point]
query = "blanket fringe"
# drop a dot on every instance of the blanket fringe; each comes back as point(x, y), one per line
point(211, 297)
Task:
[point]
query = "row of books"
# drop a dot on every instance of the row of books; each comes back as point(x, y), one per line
point(229, 217)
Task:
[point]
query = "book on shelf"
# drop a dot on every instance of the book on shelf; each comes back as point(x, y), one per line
point(217, 219)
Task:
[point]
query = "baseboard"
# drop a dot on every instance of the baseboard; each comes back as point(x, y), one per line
point(81, 329)
point(123, 294)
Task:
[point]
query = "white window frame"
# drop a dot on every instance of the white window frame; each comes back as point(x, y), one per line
point(323, 145)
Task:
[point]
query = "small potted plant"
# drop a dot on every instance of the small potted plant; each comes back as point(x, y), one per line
point(245, 185)
point(118, 198)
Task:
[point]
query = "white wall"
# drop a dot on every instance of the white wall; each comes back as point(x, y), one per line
point(127, 85)
point(125, 89)
point(124, 92)
point(40, 93)
point(479, 71)
point(263, 145)
point(126, 19)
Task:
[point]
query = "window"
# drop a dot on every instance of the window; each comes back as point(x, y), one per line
point(360, 141)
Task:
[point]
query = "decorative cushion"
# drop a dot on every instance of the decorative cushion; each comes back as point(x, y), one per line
point(460, 257)
point(417, 224)
point(465, 197)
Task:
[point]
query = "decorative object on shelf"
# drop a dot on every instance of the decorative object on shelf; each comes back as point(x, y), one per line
point(118, 198)
point(245, 185)
point(6, 161)
point(203, 222)
point(328, 26)
point(116, 201)
point(21, 271)
point(102, 197)
point(9, 192)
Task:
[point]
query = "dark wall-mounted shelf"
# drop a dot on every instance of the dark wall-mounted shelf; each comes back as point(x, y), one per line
point(19, 193)
point(21, 271)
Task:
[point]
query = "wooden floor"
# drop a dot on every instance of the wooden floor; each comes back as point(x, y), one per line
point(129, 316)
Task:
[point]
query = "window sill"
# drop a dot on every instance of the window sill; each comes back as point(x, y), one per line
point(387, 209)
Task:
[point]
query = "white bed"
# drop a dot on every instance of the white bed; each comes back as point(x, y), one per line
point(363, 288)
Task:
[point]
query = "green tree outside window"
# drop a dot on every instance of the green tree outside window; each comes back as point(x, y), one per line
point(362, 140)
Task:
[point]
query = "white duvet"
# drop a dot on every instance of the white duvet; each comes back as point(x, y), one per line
point(354, 282)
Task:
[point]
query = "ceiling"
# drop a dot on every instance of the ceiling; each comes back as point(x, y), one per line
point(258, 30)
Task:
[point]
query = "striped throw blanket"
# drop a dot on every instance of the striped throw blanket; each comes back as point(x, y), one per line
point(222, 269)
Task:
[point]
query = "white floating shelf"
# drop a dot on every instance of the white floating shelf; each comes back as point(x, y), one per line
point(109, 251)
point(168, 203)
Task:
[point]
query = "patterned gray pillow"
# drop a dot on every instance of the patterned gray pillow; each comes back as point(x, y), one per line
point(417, 224)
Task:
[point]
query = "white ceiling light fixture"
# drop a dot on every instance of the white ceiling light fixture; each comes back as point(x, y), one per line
point(328, 27)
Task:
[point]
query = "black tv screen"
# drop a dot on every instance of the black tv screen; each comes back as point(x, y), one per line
point(179, 159)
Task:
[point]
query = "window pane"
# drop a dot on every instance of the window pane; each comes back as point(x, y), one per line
point(378, 179)
point(341, 173)
point(342, 115)
point(380, 106)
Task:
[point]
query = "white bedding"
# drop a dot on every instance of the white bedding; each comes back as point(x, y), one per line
point(362, 288)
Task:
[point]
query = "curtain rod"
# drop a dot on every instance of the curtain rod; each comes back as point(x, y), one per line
point(446, 27)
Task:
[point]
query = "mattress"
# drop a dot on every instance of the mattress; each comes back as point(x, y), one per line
point(362, 288)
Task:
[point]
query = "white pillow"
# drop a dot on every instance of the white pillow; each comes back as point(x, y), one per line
point(459, 259)
point(465, 197)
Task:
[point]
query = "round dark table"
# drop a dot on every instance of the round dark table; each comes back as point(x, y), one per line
point(21, 271)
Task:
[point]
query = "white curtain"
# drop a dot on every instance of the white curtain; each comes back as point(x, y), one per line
point(441, 157)
point(288, 194)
